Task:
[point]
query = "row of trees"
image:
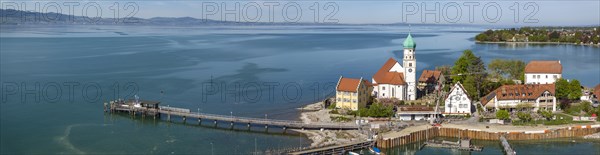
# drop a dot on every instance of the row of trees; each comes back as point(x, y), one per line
point(471, 72)
point(543, 34)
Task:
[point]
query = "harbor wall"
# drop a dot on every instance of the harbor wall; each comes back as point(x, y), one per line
point(422, 135)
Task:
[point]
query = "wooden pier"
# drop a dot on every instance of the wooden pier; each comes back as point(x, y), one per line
point(151, 108)
point(506, 146)
point(336, 149)
point(463, 144)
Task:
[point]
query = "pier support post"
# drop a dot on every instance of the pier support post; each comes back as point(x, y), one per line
point(231, 125)
point(183, 119)
point(169, 117)
point(248, 126)
point(199, 121)
point(215, 122)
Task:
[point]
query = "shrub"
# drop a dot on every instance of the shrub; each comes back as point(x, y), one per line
point(376, 110)
point(526, 117)
point(502, 114)
point(331, 106)
point(546, 114)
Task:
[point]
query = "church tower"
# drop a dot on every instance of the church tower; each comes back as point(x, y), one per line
point(410, 68)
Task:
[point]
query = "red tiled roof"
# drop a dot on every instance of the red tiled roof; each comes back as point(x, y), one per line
point(544, 67)
point(383, 76)
point(350, 85)
point(430, 76)
point(519, 92)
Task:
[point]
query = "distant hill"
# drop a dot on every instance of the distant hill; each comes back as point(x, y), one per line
point(18, 17)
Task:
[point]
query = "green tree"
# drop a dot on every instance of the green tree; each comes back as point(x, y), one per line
point(574, 90)
point(502, 114)
point(512, 69)
point(526, 117)
point(562, 88)
point(461, 66)
point(470, 71)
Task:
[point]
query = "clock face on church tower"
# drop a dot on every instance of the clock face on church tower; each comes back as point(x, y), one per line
point(409, 70)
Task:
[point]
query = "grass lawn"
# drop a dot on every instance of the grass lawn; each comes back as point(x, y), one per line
point(560, 120)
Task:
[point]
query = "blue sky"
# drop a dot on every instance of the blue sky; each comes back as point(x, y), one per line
point(504, 12)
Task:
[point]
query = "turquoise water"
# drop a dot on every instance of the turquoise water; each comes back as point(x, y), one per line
point(258, 71)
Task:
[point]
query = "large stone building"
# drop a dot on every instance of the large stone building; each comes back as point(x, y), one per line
point(352, 93)
point(543, 72)
point(532, 96)
point(394, 80)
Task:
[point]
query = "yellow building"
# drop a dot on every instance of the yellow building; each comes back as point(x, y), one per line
point(352, 93)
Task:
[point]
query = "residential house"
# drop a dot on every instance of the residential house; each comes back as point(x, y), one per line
point(543, 72)
point(352, 93)
point(429, 79)
point(532, 96)
point(457, 102)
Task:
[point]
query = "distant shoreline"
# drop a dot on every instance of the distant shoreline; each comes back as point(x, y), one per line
point(538, 43)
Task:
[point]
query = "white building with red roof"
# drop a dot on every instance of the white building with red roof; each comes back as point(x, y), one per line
point(543, 72)
point(394, 80)
point(534, 96)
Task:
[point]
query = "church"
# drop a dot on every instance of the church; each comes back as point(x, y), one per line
point(395, 80)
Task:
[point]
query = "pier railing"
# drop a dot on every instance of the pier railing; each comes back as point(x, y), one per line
point(249, 120)
point(186, 114)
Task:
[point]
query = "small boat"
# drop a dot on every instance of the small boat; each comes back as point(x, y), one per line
point(375, 150)
point(353, 153)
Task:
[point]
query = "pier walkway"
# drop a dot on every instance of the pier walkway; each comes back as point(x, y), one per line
point(154, 110)
point(506, 146)
point(336, 149)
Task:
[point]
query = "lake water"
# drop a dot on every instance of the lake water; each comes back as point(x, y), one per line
point(55, 79)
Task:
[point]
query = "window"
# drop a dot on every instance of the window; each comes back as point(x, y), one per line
point(383, 88)
point(546, 76)
point(339, 99)
point(555, 77)
point(409, 64)
point(354, 101)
